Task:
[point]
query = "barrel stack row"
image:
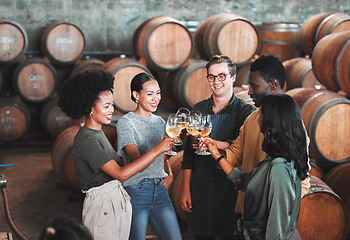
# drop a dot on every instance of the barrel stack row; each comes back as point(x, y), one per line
point(165, 48)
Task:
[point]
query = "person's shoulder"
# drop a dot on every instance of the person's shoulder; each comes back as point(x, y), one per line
point(242, 104)
point(125, 118)
point(157, 118)
point(199, 106)
point(86, 135)
point(279, 166)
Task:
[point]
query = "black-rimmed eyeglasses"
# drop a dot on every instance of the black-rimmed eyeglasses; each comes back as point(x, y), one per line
point(221, 77)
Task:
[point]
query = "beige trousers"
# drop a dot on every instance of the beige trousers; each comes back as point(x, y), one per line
point(107, 212)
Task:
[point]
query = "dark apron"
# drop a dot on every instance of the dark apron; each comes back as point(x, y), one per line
point(213, 195)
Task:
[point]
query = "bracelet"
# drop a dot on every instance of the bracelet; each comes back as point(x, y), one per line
point(219, 158)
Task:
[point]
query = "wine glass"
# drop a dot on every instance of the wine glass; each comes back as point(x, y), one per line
point(204, 130)
point(172, 130)
point(182, 116)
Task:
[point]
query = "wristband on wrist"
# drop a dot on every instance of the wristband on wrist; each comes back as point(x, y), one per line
point(219, 159)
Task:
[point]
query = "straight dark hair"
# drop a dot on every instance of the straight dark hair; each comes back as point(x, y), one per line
point(284, 132)
point(138, 81)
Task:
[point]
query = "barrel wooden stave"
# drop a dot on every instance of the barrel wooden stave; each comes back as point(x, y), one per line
point(326, 115)
point(308, 31)
point(316, 171)
point(63, 43)
point(322, 214)
point(163, 36)
point(337, 179)
point(34, 80)
point(242, 93)
point(53, 120)
point(188, 84)
point(14, 41)
point(325, 60)
point(124, 69)
point(333, 23)
point(281, 39)
point(227, 34)
point(62, 158)
point(87, 64)
point(302, 76)
point(14, 118)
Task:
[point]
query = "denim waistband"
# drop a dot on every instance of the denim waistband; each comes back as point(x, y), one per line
point(151, 180)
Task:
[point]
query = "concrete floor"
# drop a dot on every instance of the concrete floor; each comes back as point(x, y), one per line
point(34, 194)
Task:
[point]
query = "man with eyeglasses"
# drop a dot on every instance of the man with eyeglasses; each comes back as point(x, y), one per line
point(208, 195)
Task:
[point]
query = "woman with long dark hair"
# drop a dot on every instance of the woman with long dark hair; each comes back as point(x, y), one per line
point(273, 188)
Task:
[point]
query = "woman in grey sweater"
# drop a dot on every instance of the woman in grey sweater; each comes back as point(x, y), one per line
point(107, 209)
point(138, 134)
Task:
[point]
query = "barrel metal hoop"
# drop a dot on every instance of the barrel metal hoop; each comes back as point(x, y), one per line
point(323, 23)
point(279, 43)
point(337, 61)
point(302, 75)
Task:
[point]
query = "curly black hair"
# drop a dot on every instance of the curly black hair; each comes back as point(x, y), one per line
point(284, 132)
point(62, 227)
point(270, 68)
point(81, 90)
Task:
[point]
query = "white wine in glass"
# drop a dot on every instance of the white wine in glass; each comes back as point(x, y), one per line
point(182, 115)
point(204, 130)
point(172, 130)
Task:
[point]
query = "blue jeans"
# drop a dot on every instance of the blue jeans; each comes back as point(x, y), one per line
point(150, 201)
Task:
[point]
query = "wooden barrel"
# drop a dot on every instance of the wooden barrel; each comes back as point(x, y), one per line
point(13, 41)
point(330, 61)
point(188, 83)
point(322, 214)
point(163, 42)
point(308, 31)
point(300, 74)
point(227, 34)
point(242, 93)
point(242, 75)
point(316, 171)
point(53, 120)
point(87, 64)
point(34, 80)
point(62, 42)
point(62, 158)
point(14, 118)
point(175, 164)
point(281, 39)
point(337, 179)
point(334, 23)
point(124, 69)
point(326, 116)
point(176, 197)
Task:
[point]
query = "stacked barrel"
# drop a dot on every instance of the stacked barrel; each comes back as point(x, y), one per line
point(315, 55)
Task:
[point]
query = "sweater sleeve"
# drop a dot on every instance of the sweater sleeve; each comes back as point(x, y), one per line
point(125, 135)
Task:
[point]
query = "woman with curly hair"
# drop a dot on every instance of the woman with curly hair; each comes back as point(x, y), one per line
point(138, 134)
point(273, 188)
point(107, 208)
